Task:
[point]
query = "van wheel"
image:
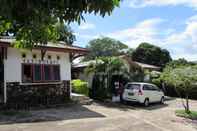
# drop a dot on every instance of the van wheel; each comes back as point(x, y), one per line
point(146, 102)
point(162, 100)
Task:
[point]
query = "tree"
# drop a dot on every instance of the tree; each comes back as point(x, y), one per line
point(129, 52)
point(105, 47)
point(184, 79)
point(104, 69)
point(33, 20)
point(150, 54)
point(65, 33)
point(177, 63)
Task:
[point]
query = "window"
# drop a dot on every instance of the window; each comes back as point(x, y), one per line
point(37, 73)
point(155, 88)
point(47, 72)
point(150, 87)
point(27, 73)
point(133, 86)
point(146, 87)
point(56, 72)
point(40, 73)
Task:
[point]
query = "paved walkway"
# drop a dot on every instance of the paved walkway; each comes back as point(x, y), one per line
point(104, 117)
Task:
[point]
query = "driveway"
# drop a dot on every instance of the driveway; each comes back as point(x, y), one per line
point(103, 117)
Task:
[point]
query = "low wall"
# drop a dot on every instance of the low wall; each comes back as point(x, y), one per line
point(24, 96)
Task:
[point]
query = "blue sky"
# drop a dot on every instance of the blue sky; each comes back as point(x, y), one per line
point(170, 24)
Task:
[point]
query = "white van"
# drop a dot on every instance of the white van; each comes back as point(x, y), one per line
point(143, 93)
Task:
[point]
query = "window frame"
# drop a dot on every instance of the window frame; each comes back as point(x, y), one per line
point(59, 75)
point(146, 87)
point(133, 88)
point(22, 72)
point(42, 73)
point(50, 72)
point(150, 87)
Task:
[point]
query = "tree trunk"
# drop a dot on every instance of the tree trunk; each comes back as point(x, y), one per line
point(187, 104)
point(182, 99)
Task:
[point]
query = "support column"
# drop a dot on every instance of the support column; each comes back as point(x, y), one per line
point(5, 92)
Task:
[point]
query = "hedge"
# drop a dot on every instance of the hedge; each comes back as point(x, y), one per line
point(79, 86)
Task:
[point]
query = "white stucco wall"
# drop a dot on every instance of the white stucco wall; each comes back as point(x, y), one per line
point(13, 70)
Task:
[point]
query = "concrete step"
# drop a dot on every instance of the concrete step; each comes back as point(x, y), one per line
point(82, 99)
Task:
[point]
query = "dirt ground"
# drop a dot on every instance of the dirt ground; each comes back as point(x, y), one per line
point(103, 117)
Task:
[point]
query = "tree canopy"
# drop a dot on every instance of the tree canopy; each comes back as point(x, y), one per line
point(183, 78)
point(151, 54)
point(105, 47)
point(33, 20)
point(178, 63)
point(65, 33)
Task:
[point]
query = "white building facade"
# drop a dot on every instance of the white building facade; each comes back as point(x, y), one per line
point(17, 57)
point(26, 73)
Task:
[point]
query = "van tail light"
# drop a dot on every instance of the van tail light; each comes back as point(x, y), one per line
point(140, 92)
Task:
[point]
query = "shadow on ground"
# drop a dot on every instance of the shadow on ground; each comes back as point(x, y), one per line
point(153, 106)
point(118, 106)
point(131, 106)
point(69, 112)
point(54, 114)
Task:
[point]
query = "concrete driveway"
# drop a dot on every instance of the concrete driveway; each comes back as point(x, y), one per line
point(103, 117)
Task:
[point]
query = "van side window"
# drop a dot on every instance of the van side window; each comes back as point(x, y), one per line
point(146, 87)
point(150, 88)
point(133, 86)
point(154, 88)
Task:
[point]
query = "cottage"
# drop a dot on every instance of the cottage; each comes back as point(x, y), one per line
point(132, 66)
point(40, 75)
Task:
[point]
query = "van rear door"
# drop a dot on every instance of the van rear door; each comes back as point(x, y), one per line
point(131, 90)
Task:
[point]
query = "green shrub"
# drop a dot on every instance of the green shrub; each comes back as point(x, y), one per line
point(191, 115)
point(79, 86)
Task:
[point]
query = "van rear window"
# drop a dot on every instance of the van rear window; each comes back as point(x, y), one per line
point(133, 86)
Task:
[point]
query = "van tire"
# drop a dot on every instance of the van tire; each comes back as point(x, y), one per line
point(146, 102)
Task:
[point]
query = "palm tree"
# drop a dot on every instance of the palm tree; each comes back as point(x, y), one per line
point(104, 68)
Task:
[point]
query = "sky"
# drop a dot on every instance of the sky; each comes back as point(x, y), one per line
point(169, 24)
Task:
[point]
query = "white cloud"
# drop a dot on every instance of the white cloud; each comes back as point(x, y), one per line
point(86, 36)
point(144, 31)
point(87, 26)
point(181, 44)
point(145, 3)
point(189, 35)
point(184, 44)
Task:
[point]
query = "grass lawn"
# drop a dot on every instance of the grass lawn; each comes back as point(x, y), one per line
point(192, 115)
